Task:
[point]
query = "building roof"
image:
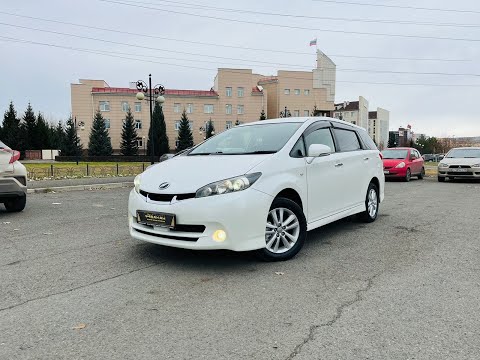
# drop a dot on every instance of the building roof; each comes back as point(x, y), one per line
point(189, 93)
point(351, 106)
point(372, 114)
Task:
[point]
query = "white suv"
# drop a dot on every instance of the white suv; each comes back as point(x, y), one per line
point(259, 186)
point(13, 180)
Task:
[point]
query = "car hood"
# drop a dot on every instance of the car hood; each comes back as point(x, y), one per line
point(460, 161)
point(392, 162)
point(186, 174)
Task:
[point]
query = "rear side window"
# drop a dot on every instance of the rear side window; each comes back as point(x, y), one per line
point(320, 136)
point(367, 140)
point(347, 140)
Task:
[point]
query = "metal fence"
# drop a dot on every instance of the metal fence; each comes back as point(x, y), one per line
point(84, 170)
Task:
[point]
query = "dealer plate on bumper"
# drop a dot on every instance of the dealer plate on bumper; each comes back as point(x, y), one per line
point(156, 219)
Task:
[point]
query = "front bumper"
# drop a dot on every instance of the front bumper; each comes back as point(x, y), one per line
point(466, 173)
point(395, 172)
point(12, 187)
point(241, 215)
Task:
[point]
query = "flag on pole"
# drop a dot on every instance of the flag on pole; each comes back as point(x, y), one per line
point(313, 42)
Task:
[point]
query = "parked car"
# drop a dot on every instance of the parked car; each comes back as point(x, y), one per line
point(403, 163)
point(461, 163)
point(428, 157)
point(259, 186)
point(13, 180)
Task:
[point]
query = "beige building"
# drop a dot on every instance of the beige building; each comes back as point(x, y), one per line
point(237, 96)
point(379, 122)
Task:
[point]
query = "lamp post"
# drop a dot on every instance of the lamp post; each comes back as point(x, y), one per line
point(81, 125)
point(159, 90)
point(285, 113)
point(205, 128)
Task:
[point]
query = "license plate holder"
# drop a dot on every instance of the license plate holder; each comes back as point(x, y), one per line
point(153, 218)
point(386, 172)
point(460, 170)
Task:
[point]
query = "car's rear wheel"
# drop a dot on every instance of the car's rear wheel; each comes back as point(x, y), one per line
point(422, 174)
point(408, 176)
point(441, 179)
point(372, 202)
point(285, 231)
point(16, 204)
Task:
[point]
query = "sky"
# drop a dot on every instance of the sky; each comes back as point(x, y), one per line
point(382, 52)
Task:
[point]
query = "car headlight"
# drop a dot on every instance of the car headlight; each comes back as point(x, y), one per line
point(235, 184)
point(443, 165)
point(137, 183)
point(401, 165)
point(476, 165)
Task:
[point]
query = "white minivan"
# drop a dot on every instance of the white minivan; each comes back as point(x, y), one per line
point(259, 186)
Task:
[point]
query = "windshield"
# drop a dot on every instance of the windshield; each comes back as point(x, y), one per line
point(464, 153)
point(250, 139)
point(395, 154)
point(3, 146)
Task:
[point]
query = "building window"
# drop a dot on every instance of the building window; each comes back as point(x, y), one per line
point(228, 91)
point(240, 109)
point(104, 106)
point(177, 125)
point(297, 91)
point(286, 91)
point(351, 113)
point(176, 108)
point(139, 142)
point(306, 92)
point(125, 106)
point(306, 113)
point(228, 125)
point(189, 108)
point(208, 108)
point(138, 124)
point(107, 123)
point(177, 143)
point(228, 109)
point(296, 113)
point(240, 92)
point(138, 107)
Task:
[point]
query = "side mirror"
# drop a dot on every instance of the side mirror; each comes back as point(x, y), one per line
point(316, 150)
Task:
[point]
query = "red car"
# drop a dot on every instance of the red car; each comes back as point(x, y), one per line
point(402, 163)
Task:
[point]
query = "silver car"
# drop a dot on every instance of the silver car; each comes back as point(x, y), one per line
point(460, 163)
point(13, 180)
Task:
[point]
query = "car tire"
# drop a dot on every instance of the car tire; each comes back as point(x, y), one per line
point(276, 238)
point(372, 203)
point(17, 204)
point(408, 176)
point(441, 179)
point(422, 174)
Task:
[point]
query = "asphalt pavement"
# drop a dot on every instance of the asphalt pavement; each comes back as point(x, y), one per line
point(74, 285)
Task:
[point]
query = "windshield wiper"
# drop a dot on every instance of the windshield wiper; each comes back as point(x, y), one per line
point(258, 152)
point(212, 153)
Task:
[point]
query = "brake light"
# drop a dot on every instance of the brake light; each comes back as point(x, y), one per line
point(15, 156)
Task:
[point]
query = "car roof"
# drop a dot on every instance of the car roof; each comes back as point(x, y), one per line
point(399, 148)
point(467, 147)
point(305, 120)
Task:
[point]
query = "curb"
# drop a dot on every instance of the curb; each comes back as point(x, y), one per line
point(80, 188)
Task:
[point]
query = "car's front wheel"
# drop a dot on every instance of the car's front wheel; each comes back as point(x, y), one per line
point(16, 204)
point(285, 231)
point(441, 179)
point(372, 202)
point(408, 176)
point(422, 174)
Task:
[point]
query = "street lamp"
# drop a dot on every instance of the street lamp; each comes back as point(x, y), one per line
point(285, 113)
point(205, 128)
point(156, 90)
point(81, 125)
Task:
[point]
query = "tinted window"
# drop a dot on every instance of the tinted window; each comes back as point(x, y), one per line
point(320, 136)
point(347, 140)
point(367, 140)
point(298, 151)
point(394, 154)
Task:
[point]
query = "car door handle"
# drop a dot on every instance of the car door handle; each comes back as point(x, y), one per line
point(366, 158)
point(338, 165)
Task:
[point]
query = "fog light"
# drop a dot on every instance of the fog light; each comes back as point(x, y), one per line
point(219, 236)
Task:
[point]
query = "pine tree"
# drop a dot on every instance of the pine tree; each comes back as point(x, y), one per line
point(263, 116)
point(42, 139)
point(185, 136)
point(99, 143)
point(11, 128)
point(158, 133)
point(128, 145)
point(30, 127)
point(210, 131)
point(56, 135)
point(70, 145)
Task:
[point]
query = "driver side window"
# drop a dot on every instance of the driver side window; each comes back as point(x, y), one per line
point(320, 136)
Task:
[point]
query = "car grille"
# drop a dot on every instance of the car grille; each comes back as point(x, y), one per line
point(387, 167)
point(460, 173)
point(163, 236)
point(460, 167)
point(166, 197)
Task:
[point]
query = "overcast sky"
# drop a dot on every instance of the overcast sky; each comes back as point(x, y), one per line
point(42, 74)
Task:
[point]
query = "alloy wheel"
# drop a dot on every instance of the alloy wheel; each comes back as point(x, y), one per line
point(372, 204)
point(282, 230)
